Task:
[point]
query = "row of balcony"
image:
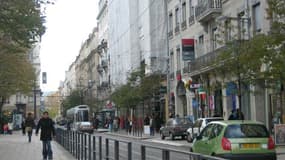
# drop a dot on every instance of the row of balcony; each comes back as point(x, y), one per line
point(203, 62)
point(204, 11)
point(208, 9)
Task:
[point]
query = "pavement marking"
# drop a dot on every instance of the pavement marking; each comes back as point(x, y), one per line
point(164, 142)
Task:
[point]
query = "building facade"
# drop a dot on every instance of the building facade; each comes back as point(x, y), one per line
point(103, 67)
point(198, 30)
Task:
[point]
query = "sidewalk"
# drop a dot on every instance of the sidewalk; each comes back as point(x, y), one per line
point(16, 146)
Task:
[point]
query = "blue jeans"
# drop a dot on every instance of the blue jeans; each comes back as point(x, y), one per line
point(47, 152)
point(30, 136)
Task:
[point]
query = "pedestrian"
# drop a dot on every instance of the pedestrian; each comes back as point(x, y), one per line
point(151, 126)
point(130, 126)
point(233, 115)
point(23, 127)
point(29, 125)
point(115, 124)
point(10, 128)
point(240, 115)
point(146, 120)
point(5, 128)
point(47, 131)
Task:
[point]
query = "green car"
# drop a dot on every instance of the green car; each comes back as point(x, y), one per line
point(236, 140)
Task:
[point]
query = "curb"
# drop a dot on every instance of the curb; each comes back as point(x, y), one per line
point(127, 136)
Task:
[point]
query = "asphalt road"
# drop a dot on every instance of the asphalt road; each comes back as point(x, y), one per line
point(152, 153)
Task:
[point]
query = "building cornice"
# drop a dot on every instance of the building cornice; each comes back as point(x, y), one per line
point(102, 10)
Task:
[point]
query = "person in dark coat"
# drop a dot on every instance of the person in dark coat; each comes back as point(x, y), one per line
point(29, 125)
point(23, 127)
point(47, 131)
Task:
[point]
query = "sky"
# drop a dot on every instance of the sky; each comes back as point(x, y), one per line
point(68, 22)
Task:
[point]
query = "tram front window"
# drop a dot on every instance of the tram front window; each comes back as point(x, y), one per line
point(83, 116)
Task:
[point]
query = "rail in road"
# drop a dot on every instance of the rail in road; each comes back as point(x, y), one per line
point(91, 147)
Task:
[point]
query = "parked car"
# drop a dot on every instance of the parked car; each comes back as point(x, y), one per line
point(175, 127)
point(236, 140)
point(86, 127)
point(199, 125)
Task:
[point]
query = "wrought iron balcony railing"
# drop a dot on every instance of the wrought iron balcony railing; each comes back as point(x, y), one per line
point(208, 9)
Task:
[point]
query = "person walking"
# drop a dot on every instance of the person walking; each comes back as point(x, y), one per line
point(29, 125)
point(5, 128)
point(240, 115)
point(47, 131)
point(23, 127)
point(151, 126)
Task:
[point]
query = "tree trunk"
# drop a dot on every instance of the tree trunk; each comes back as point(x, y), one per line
point(1, 104)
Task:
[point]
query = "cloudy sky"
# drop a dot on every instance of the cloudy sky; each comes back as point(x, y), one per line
point(69, 23)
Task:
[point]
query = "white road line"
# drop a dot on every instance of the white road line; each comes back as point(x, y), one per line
point(164, 142)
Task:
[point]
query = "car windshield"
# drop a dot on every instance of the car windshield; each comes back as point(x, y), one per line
point(182, 121)
point(246, 131)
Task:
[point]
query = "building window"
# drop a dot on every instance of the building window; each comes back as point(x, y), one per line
point(184, 12)
point(31, 99)
point(243, 26)
point(228, 31)
point(7, 101)
point(257, 17)
point(201, 40)
point(171, 62)
point(177, 17)
point(214, 38)
point(191, 8)
point(178, 60)
point(170, 22)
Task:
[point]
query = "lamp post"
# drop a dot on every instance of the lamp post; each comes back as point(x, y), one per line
point(36, 91)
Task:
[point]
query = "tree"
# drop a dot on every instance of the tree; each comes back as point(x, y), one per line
point(16, 75)
point(73, 100)
point(22, 22)
point(21, 25)
point(138, 88)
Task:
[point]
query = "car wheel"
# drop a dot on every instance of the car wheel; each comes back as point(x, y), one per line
point(171, 136)
point(189, 138)
point(162, 136)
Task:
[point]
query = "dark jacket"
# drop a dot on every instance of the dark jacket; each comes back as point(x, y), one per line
point(47, 129)
point(29, 123)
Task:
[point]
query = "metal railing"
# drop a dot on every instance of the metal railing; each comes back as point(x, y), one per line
point(208, 7)
point(85, 146)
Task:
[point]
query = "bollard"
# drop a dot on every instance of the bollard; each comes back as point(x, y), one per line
point(89, 146)
point(165, 155)
point(78, 145)
point(129, 151)
point(82, 146)
point(94, 148)
point(100, 148)
point(107, 148)
point(72, 145)
point(75, 145)
point(143, 157)
point(85, 147)
point(116, 150)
